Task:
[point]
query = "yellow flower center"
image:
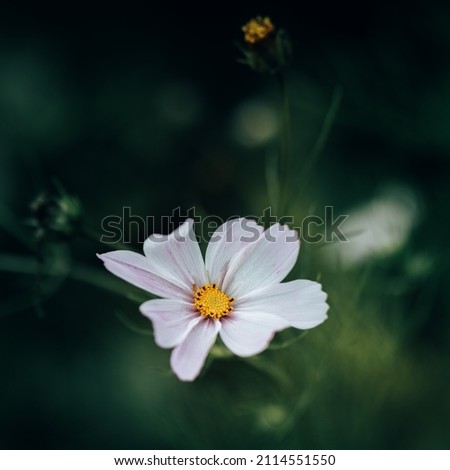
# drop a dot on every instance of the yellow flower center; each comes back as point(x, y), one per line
point(257, 29)
point(211, 302)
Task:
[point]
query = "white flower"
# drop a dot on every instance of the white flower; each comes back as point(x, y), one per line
point(235, 293)
point(377, 229)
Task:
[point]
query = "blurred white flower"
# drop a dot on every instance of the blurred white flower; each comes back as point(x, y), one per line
point(235, 293)
point(376, 229)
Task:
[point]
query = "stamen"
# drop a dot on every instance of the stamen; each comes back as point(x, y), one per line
point(211, 302)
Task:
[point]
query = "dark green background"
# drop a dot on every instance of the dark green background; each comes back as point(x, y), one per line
point(137, 106)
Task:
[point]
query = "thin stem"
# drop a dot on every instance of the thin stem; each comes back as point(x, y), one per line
point(321, 139)
point(131, 326)
point(287, 343)
point(273, 182)
point(286, 145)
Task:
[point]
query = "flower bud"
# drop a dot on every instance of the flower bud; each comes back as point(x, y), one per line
point(267, 50)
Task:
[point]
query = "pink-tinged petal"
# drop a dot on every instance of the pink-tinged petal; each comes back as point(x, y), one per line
point(264, 263)
point(227, 242)
point(136, 269)
point(301, 303)
point(249, 333)
point(187, 359)
point(177, 256)
point(172, 320)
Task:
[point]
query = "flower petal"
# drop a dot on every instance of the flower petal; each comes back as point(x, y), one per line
point(248, 333)
point(136, 269)
point(177, 256)
point(263, 263)
point(172, 320)
point(301, 303)
point(228, 241)
point(187, 359)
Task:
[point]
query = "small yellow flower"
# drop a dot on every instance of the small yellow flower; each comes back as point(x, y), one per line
point(257, 29)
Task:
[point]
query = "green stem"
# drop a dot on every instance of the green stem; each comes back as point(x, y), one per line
point(273, 181)
point(286, 146)
point(288, 342)
point(131, 326)
point(321, 140)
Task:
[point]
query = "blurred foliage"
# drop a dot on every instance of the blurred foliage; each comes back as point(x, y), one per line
point(150, 109)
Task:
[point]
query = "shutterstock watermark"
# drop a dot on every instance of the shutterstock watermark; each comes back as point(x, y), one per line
point(314, 228)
